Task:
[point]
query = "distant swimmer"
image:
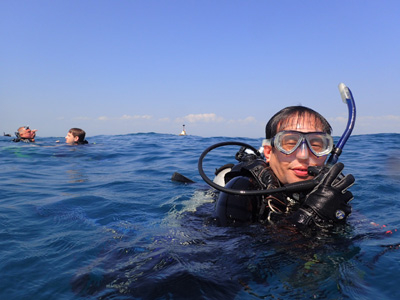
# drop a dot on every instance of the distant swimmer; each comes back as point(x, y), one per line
point(76, 136)
point(183, 130)
point(24, 134)
point(6, 134)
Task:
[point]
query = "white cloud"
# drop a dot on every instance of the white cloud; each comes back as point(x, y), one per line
point(195, 118)
point(164, 120)
point(103, 118)
point(368, 119)
point(135, 117)
point(81, 118)
point(379, 118)
point(369, 124)
point(338, 119)
point(247, 120)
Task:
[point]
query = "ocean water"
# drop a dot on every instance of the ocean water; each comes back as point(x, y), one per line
point(105, 221)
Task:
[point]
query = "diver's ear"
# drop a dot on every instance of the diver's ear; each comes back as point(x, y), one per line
point(76, 138)
point(267, 152)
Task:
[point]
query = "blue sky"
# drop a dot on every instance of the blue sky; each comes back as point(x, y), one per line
point(222, 68)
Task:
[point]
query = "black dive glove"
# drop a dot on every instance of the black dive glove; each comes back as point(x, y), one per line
point(330, 198)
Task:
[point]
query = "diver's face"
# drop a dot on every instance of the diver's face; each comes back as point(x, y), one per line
point(70, 139)
point(27, 133)
point(293, 167)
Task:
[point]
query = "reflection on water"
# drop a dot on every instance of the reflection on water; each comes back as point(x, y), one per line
point(77, 175)
point(393, 165)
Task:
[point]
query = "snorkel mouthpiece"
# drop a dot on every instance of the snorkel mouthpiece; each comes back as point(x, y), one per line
point(344, 92)
point(348, 99)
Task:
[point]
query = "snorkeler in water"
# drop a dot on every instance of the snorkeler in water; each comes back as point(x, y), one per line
point(25, 134)
point(76, 136)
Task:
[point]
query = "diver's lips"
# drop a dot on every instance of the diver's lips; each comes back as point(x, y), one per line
point(301, 172)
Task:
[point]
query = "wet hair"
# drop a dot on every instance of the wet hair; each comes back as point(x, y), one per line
point(282, 119)
point(79, 133)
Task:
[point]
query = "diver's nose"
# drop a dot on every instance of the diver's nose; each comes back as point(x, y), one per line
point(302, 151)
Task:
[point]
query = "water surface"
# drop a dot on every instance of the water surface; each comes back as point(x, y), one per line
point(105, 221)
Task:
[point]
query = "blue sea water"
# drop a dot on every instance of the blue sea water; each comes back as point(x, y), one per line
point(105, 221)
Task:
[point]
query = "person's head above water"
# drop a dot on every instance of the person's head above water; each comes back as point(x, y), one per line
point(76, 136)
point(24, 132)
point(296, 137)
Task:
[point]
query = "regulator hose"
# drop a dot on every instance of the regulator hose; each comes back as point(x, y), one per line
point(292, 187)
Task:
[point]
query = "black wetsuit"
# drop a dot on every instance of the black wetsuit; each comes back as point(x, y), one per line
point(277, 208)
point(25, 140)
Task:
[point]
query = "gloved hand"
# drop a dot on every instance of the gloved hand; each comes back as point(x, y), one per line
point(330, 198)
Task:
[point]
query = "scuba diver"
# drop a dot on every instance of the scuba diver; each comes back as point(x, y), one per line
point(25, 134)
point(298, 140)
point(293, 183)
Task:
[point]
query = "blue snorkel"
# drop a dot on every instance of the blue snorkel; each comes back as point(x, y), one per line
point(348, 99)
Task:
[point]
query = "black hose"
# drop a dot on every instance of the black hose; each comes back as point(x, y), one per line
point(292, 187)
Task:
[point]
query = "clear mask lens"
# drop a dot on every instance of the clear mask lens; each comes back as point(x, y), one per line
point(319, 143)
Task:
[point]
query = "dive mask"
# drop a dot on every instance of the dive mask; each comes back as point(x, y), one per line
point(319, 143)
